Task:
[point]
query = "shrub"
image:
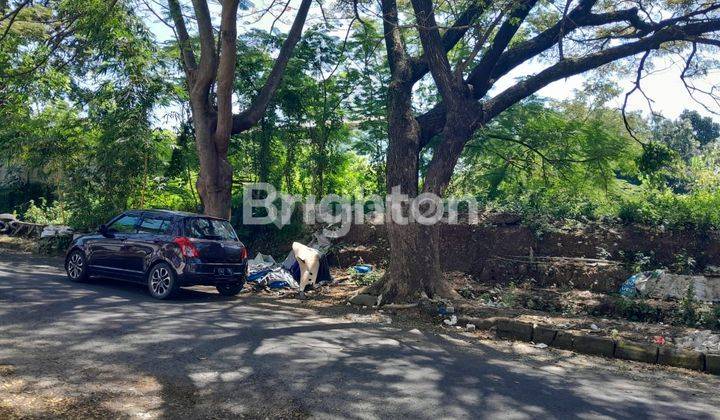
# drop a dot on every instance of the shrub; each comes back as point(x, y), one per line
point(55, 214)
point(688, 307)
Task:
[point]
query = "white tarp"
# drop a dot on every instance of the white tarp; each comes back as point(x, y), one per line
point(52, 230)
point(660, 285)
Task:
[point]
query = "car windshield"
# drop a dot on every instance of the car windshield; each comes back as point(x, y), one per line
point(202, 228)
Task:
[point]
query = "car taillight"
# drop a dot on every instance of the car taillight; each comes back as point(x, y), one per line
point(244, 254)
point(187, 248)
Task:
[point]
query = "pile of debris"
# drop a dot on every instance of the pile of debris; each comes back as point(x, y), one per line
point(11, 226)
point(659, 284)
point(304, 267)
point(704, 341)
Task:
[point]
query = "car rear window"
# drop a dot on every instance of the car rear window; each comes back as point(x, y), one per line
point(202, 228)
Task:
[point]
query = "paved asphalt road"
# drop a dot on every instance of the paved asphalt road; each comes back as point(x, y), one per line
point(107, 349)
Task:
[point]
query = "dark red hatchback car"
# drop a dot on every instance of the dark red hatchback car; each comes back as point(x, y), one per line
point(165, 250)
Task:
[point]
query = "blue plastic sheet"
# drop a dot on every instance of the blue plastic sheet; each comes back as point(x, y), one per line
point(628, 288)
point(362, 269)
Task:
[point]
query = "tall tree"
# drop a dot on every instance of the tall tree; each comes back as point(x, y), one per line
point(573, 36)
point(210, 83)
point(704, 128)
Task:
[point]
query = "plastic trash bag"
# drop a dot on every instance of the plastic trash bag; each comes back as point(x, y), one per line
point(362, 268)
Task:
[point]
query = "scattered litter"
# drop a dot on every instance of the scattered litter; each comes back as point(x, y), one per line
point(304, 266)
point(445, 309)
point(704, 341)
point(658, 284)
point(540, 345)
point(628, 288)
point(594, 327)
point(362, 269)
point(451, 321)
point(470, 327)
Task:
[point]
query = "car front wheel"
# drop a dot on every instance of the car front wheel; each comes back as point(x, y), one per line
point(229, 289)
point(162, 283)
point(76, 267)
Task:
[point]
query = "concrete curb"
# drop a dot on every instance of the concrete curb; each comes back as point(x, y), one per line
point(508, 328)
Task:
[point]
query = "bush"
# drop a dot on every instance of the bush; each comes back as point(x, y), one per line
point(44, 214)
point(688, 307)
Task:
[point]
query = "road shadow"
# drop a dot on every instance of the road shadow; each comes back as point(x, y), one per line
point(204, 355)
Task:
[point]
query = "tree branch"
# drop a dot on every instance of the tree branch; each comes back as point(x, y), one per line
point(452, 36)
point(255, 111)
point(226, 73)
point(208, 57)
point(183, 39)
point(12, 15)
point(572, 66)
point(434, 53)
point(481, 75)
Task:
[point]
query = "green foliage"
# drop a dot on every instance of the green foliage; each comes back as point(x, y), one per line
point(554, 159)
point(46, 214)
point(709, 316)
point(364, 279)
point(636, 310)
point(688, 308)
point(631, 309)
point(704, 128)
point(54, 245)
point(655, 157)
point(80, 129)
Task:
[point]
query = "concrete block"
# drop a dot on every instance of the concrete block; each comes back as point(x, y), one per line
point(544, 335)
point(687, 359)
point(712, 363)
point(639, 352)
point(599, 346)
point(564, 340)
point(514, 330)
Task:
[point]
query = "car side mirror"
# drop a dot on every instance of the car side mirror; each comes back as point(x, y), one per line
point(103, 231)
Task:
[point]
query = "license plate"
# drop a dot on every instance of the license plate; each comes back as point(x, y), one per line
point(223, 271)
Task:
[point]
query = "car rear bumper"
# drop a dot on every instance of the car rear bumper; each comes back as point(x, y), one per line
point(212, 274)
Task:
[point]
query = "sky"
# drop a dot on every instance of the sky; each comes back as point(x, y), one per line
point(663, 85)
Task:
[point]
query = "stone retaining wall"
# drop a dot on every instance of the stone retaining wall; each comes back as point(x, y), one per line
point(510, 329)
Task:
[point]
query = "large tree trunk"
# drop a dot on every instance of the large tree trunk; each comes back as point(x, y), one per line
point(214, 184)
point(414, 265)
point(414, 268)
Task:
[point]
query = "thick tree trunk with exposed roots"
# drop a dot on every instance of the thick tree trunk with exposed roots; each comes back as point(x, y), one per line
point(414, 269)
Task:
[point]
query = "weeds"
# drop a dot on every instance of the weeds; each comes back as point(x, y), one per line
point(364, 279)
point(684, 263)
point(688, 307)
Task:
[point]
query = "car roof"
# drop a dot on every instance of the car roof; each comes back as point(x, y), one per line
point(174, 213)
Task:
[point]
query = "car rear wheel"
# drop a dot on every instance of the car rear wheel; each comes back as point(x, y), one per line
point(162, 283)
point(229, 289)
point(76, 267)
